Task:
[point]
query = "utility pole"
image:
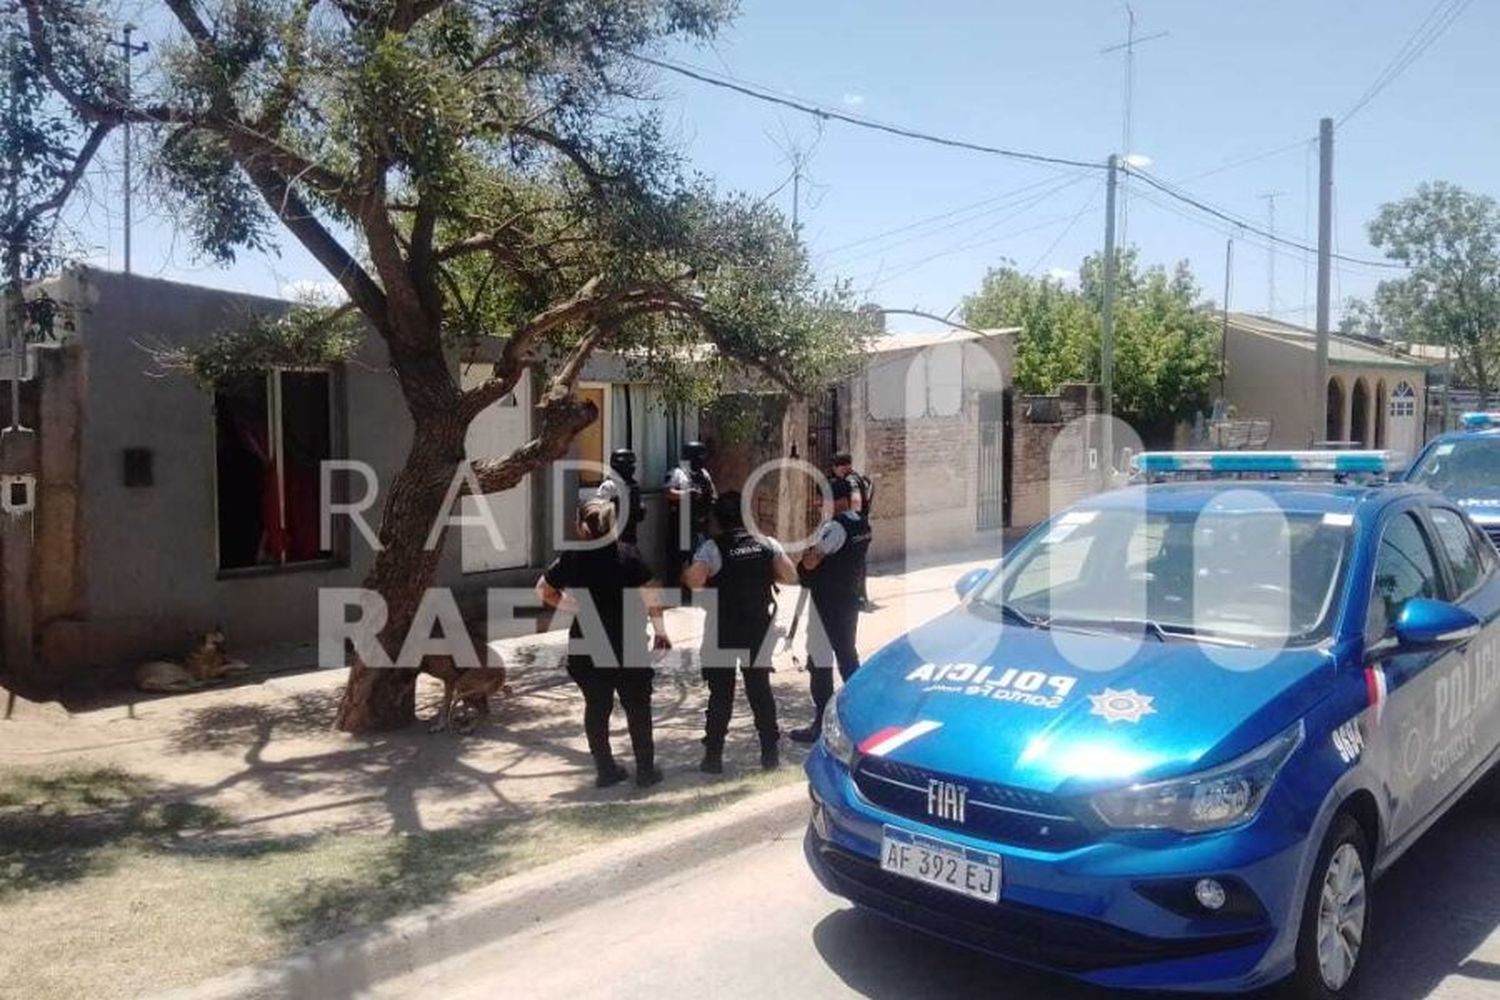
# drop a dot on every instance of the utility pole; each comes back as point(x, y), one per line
point(1325, 270)
point(1224, 333)
point(796, 198)
point(1107, 315)
point(1127, 137)
point(11, 298)
point(130, 51)
point(1270, 199)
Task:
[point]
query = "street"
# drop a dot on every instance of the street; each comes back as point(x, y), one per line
point(756, 924)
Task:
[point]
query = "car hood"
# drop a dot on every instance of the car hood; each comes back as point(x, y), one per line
point(1038, 709)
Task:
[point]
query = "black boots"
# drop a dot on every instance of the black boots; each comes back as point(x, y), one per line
point(770, 753)
point(713, 760)
point(608, 773)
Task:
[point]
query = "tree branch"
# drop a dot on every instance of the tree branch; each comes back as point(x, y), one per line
point(81, 161)
point(562, 414)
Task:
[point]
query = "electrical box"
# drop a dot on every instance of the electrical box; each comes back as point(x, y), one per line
point(17, 494)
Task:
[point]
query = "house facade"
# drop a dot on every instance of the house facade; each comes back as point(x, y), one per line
point(163, 509)
point(1375, 396)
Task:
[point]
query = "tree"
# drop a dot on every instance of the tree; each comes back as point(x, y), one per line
point(470, 168)
point(1166, 346)
point(46, 149)
point(1450, 239)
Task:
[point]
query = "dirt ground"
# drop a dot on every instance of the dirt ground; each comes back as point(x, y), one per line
point(169, 838)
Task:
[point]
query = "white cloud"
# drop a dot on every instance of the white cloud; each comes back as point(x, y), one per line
point(328, 292)
point(1063, 274)
point(854, 100)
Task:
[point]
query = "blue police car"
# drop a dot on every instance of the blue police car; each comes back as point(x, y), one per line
point(1465, 466)
point(1171, 740)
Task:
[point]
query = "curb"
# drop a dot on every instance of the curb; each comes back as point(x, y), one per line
point(361, 959)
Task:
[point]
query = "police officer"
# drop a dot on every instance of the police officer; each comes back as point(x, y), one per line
point(860, 497)
point(622, 461)
point(741, 569)
point(831, 568)
point(695, 487)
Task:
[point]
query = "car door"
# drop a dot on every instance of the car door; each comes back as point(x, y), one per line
point(1465, 711)
point(1401, 684)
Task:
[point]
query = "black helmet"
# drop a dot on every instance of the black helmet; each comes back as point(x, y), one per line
point(728, 512)
point(695, 450)
point(622, 460)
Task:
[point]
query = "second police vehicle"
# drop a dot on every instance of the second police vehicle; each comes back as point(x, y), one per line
point(1172, 739)
point(1464, 465)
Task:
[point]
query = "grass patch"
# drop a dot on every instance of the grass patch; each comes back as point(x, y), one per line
point(143, 890)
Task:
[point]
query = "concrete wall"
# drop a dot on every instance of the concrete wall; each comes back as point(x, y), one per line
point(1268, 378)
point(145, 577)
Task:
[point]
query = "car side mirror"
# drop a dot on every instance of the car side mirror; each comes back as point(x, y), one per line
point(1428, 624)
point(968, 582)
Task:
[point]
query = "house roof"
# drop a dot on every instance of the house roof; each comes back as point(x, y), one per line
point(1342, 349)
point(931, 338)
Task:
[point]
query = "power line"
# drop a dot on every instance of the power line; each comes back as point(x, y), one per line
point(1264, 154)
point(762, 93)
point(1088, 203)
point(1437, 21)
point(1002, 204)
point(1241, 223)
point(941, 216)
point(972, 244)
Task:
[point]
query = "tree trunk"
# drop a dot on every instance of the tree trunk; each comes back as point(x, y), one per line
point(378, 699)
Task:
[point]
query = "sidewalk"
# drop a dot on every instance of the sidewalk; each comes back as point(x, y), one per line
point(232, 825)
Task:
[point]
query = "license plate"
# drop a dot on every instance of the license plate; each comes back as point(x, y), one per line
point(959, 869)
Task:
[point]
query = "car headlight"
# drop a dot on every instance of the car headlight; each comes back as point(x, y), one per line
point(1216, 799)
point(835, 740)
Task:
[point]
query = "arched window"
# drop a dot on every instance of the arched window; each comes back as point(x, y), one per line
point(1359, 413)
point(1403, 401)
point(1334, 431)
point(1380, 400)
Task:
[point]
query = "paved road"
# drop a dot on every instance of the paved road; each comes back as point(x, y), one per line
point(755, 925)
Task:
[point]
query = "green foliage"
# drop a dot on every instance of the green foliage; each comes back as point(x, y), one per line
point(41, 136)
point(1166, 342)
point(1450, 238)
point(309, 336)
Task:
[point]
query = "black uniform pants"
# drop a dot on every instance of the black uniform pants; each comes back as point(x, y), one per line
point(720, 678)
point(600, 687)
point(840, 627)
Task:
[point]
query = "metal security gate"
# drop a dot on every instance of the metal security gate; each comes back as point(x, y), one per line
point(822, 444)
point(994, 460)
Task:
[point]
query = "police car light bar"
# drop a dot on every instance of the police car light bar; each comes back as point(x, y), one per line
point(1479, 421)
point(1266, 462)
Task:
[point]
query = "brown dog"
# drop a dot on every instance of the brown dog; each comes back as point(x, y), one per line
point(470, 688)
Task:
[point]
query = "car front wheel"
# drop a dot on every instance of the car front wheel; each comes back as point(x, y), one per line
point(1336, 916)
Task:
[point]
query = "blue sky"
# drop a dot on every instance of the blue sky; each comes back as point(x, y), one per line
point(1230, 81)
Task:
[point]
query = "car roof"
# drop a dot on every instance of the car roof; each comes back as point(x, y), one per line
point(1295, 497)
point(1487, 434)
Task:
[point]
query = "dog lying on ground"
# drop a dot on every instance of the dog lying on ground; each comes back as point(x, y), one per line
point(206, 663)
point(467, 689)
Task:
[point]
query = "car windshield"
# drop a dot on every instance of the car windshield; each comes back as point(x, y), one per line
point(1256, 577)
point(1466, 468)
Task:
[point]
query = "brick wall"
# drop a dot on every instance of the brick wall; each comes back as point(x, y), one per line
point(1050, 455)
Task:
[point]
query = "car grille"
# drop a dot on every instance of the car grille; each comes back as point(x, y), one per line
point(1493, 531)
point(998, 813)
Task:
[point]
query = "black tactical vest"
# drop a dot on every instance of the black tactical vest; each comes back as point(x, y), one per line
point(744, 586)
point(835, 583)
point(630, 520)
